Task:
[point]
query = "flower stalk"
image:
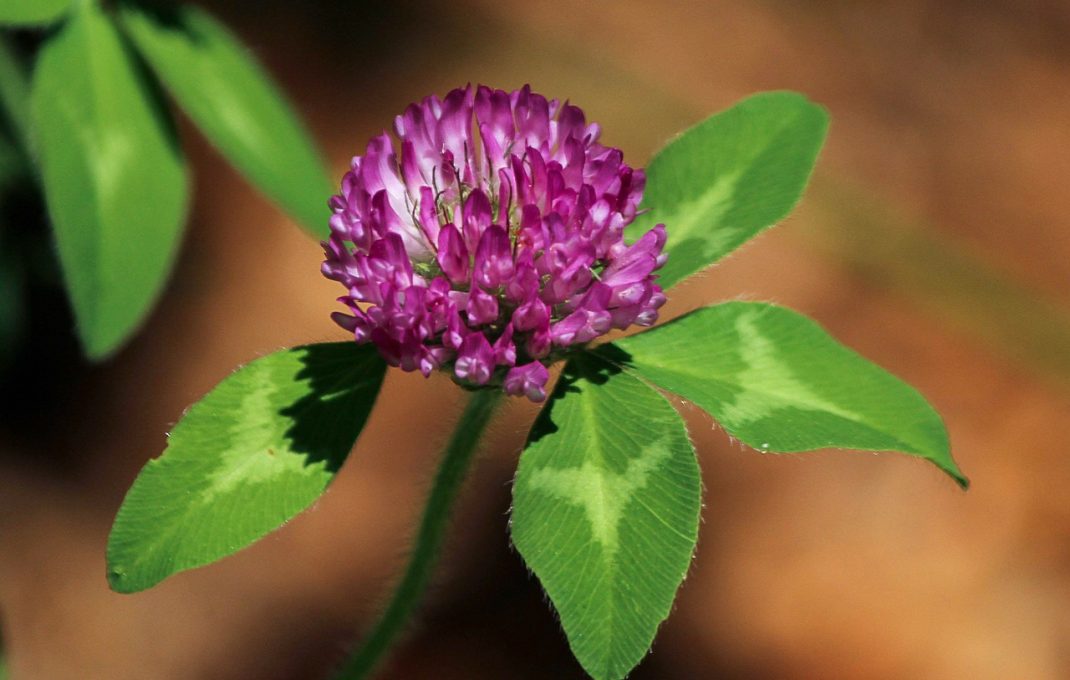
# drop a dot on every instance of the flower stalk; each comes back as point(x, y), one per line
point(448, 480)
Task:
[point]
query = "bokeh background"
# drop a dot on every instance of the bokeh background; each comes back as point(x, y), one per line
point(935, 240)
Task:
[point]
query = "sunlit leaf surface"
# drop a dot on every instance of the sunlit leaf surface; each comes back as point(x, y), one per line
point(778, 382)
point(729, 177)
point(257, 450)
point(605, 511)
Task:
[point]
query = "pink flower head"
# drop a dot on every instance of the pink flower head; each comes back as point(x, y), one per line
point(487, 239)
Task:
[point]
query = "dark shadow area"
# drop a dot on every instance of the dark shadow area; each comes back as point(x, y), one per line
point(614, 355)
point(362, 37)
point(587, 366)
point(344, 378)
point(41, 363)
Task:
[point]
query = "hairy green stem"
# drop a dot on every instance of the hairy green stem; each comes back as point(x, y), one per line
point(451, 473)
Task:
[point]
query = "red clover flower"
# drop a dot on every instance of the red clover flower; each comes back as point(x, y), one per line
point(490, 255)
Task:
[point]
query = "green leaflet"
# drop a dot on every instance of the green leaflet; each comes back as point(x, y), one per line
point(257, 450)
point(32, 12)
point(778, 382)
point(235, 104)
point(721, 182)
point(12, 168)
point(14, 93)
point(114, 178)
point(605, 511)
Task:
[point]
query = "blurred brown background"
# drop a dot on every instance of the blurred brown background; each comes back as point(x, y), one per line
point(935, 240)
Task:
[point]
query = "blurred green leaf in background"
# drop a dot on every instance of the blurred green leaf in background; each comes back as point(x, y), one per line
point(217, 82)
point(114, 177)
point(108, 160)
point(32, 12)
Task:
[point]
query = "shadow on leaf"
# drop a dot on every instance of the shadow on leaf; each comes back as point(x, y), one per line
point(581, 372)
point(344, 379)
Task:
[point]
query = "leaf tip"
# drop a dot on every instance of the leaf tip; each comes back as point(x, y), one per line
point(99, 350)
point(962, 480)
point(102, 338)
point(117, 581)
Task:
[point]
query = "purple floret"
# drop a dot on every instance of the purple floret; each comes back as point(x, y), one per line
point(490, 252)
